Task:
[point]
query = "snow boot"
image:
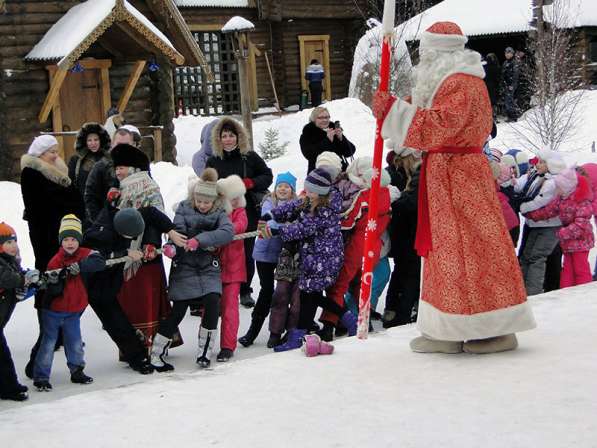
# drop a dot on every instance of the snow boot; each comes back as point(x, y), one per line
point(252, 333)
point(327, 332)
point(159, 349)
point(350, 321)
point(295, 340)
point(14, 395)
point(315, 346)
point(143, 366)
point(205, 347)
point(491, 345)
point(274, 339)
point(43, 385)
point(247, 301)
point(78, 377)
point(224, 355)
point(424, 344)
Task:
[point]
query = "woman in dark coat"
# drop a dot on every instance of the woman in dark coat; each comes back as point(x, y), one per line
point(91, 146)
point(48, 195)
point(493, 73)
point(233, 155)
point(404, 287)
point(320, 135)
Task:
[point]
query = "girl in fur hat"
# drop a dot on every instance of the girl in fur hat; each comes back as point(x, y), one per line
point(195, 275)
point(48, 195)
point(232, 258)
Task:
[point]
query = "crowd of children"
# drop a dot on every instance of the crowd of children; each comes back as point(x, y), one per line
point(307, 255)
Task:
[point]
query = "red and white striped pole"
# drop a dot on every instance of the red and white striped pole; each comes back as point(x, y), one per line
point(371, 233)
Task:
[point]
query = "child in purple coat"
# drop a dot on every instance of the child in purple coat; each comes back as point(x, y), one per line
point(317, 230)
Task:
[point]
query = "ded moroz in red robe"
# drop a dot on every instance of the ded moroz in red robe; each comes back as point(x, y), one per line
point(472, 284)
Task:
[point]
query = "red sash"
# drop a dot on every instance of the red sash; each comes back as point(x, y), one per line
point(423, 239)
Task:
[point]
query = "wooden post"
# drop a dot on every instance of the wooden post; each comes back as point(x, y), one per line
point(130, 85)
point(157, 144)
point(245, 91)
point(52, 96)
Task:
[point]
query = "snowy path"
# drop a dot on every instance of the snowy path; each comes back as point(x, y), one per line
point(369, 393)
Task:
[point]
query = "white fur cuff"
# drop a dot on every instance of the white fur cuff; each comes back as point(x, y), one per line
point(442, 42)
point(397, 122)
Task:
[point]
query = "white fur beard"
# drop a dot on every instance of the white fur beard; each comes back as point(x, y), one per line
point(433, 68)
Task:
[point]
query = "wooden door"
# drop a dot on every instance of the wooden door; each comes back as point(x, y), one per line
point(316, 47)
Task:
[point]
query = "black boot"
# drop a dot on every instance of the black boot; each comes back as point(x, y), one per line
point(247, 301)
point(14, 395)
point(327, 332)
point(274, 339)
point(143, 366)
point(252, 333)
point(43, 386)
point(224, 355)
point(78, 377)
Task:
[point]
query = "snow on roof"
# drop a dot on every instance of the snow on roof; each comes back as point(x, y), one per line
point(77, 24)
point(237, 23)
point(212, 3)
point(485, 17)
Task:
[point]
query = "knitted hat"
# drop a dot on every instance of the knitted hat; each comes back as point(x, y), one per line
point(383, 182)
point(71, 226)
point(509, 161)
point(522, 160)
point(41, 144)
point(509, 50)
point(331, 162)
point(555, 162)
point(132, 129)
point(318, 181)
point(7, 233)
point(357, 168)
point(129, 222)
point(124, 154)
point(403, 151)
point(287, 178)
point(232, 187)
point(495, 155)
point(206, 186)
point(567, 181)
point(443, 36)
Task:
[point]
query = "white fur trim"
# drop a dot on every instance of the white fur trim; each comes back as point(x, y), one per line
point(397, 122)
point(442, 42)
point(461, 327)
point(57, 173)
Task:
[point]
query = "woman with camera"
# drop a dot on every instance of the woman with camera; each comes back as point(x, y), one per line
point(320, 135)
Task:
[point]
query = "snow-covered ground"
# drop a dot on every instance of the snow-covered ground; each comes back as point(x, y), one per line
point(370, 393)
point(373, 393)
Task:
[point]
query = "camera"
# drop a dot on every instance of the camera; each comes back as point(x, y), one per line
point(334, 125)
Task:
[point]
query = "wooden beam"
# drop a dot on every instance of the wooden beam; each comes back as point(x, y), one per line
point(157, 144)
point(57, 121)
point(105, 91)
point(252, 66)
point(52, 96)
point(137, 38)
point(130, 85)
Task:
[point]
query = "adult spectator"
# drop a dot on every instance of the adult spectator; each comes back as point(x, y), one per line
point(510, 77)
point(233, 155)
point(320, 135)
point(524, 90)
point(48, 195)
point(315, 75)
point(102, 178)
point(492, 79)
point(206, 151)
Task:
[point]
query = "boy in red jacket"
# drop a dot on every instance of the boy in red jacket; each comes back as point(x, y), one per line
point(64, 302)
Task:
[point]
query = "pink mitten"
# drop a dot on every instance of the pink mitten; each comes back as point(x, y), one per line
point(192, 245)
point(169, 250)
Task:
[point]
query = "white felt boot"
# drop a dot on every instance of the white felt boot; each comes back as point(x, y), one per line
point(491, 345)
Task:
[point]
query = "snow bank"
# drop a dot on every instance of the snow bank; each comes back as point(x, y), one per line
point(372, 393)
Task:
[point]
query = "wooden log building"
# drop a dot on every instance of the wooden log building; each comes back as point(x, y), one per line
point(64, 63)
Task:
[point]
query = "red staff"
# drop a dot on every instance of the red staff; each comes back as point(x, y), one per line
point(387, 29)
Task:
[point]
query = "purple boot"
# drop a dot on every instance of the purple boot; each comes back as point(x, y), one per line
point(350, 322)
point(295, 340)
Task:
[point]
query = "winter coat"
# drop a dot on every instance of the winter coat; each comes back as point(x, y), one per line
point(546, 193)
point(347, 191)
point(200, 157)
point(11, 279)
point(403, 226)
point(591, 170)
point(196, 274)
point(232, 255)
point(314, 141)
point(267, 250)
point(510, 216)
point(243, 162)
point(492, 81)
point(74, 295)
point(48, 195)
point(100, 180)
point(510, 74)
point(320, 239)
point(314, 73)
point(80, 164)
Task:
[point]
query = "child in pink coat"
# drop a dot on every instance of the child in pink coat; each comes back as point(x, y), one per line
point(232, 257)
point(574, 208)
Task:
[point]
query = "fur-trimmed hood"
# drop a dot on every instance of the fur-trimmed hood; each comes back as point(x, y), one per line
point(92, 128)
point(57, 173)
point(243, 139)
point(583, 190)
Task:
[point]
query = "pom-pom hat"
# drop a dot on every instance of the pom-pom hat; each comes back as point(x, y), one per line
point(70, 226)
point(318, 181)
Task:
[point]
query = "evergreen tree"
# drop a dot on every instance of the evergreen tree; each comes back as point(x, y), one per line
point(270, 148)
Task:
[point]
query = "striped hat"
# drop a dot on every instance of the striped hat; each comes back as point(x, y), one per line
point(318, 181)
point(7, 233)
point(71, 226)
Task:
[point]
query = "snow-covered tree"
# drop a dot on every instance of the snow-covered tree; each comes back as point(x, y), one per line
point(271, 148)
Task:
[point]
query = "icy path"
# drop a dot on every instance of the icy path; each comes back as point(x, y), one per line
point(369, 393)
